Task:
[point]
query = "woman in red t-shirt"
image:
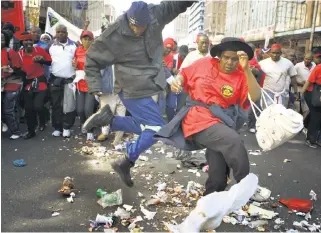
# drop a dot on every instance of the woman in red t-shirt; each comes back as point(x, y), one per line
point(85, 101)
point(314, 122)
point(217, 105)
point(35, 84)
point(11, 83)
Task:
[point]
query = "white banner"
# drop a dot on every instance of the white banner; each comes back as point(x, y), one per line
point(54, 19)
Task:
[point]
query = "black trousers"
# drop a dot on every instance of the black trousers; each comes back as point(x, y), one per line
point(85, 104)
point(225, 151)
point(34, 103)
point(59, 119)
point(314, 119)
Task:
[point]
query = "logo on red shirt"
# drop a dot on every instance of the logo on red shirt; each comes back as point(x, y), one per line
point(227, 91)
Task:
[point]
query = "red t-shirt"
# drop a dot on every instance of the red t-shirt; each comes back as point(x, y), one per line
point(315, 77)
point(169, 61)
point(10, 58)
point(80, 56)
point(204, 81)
point(34, 69)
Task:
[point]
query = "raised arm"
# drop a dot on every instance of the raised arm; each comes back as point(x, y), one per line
point(166, 11)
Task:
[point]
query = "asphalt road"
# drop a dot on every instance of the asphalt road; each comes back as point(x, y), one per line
point(29, 194)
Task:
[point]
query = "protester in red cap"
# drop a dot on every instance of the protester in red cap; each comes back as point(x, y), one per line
point(310, 88)
point(280, 72)
point(84, 101)
point(35, 85)
point(168, 56)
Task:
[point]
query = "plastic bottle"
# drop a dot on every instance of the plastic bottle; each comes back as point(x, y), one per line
point(297, 204)
point(100, 193)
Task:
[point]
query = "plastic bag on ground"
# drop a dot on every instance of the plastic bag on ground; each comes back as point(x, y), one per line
point(211, 209)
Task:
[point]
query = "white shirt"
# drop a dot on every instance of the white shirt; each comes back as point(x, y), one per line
point(303, 72)
point(277, 74)
point(62, 56)
point(191, 58)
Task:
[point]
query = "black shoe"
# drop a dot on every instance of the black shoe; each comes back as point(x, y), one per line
point(102, 117)
point(42, 128)
point(29, 135)
point(122, 167)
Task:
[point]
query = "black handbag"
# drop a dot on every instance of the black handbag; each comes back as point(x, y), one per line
point(316, 95)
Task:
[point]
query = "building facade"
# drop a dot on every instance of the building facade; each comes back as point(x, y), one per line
point(181, 27)
point(214, 19)
point(76, 12)
point(196, 17)
point(287, 22)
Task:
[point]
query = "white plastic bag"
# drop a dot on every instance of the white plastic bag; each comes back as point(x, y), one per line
point(276, 124)
point(211, 209)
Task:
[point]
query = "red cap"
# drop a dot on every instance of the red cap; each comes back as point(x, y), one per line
point(276, 46)
point(26, 37)
point(169, 43)
point(317, 55)
point(87, 33)
point(242, 39)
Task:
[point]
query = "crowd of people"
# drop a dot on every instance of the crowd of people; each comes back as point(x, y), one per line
point(126, 79)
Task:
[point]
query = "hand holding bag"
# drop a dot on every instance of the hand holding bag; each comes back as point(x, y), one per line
point(276, 124)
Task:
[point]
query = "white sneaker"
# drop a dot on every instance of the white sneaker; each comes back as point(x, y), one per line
point(4, 127)
point(14, 136)
point(252, 130)
point(90, 137)
point(56, 133)
point(66, 133)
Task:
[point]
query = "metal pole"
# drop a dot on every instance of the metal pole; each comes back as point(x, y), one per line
point(315, 10)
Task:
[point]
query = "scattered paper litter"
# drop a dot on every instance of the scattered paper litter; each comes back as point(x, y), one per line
point(253, 164)
point(54, 214)
point(308, 216)
point(127, 207)
point(279, 221)
point(198, 174)
point(313, 195)
point(255, 152)
point(122, 214)
point(140, 194)
point(160, 186)
point(149, 152)
point(133, 224)
point(269, 174)
point(143, 158)
point(262, 213)
point(169, 155)
point(148, 214)
point(192, 171)
point(286, 160)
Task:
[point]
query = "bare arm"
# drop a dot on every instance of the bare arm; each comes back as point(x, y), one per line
point(254, 88)
point(305, 87)
point(294, 83)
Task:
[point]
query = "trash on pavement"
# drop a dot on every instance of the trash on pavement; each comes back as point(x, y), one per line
point(148, 214)
point(255, 152)
point(313, 195)
point(279, 221)
point(205, 168)
point(178, 166)
point(257, 223)
point(19, 163)
point(160, 186)
point(260, 212)
point(54, 214)
point(308, 216)
point(111, 199)
point(102, 219)
point(133, 224)
point(305, 225)
point(153, 202)
point(269, 174)
point(121, 213)
point(128, 207)
point(143, 158)
point(71, 198)
point(261, 194)
point(148, 152)
point(140, 194)
point(169, 155)
point(192, 171)
point(297, 204)
point(228, 219)
point(67, 186)
point(204, 216)
point(253, 164)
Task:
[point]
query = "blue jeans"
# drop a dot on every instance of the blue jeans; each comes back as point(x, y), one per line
point(10, 110)
point(144, 112)
point(172, 101)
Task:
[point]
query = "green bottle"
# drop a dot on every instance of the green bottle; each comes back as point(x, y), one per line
point(100, 193)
